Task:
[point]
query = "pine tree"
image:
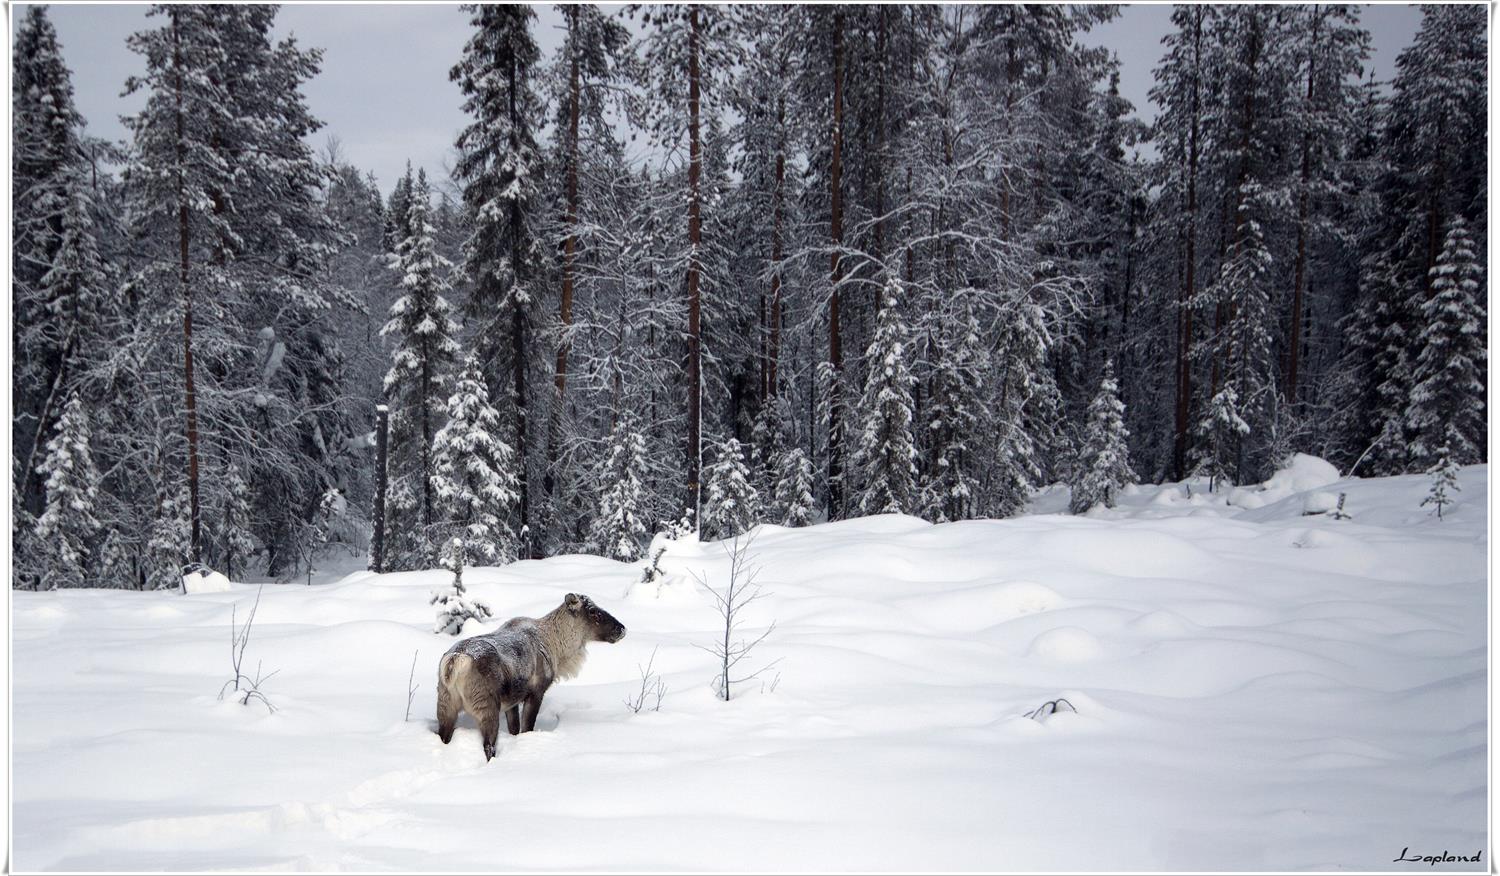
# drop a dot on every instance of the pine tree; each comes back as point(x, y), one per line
point(794, 504)
point(1447, 408)
point(68, 527)
point(168, 549)
point(885, 460)
point(954, 411)
point(1217, 438)
point(234, 542)
point(1104, 463)
point(455, 607)
point(730, 504)
point(474, 471)
point(1444, 472)
point(619, 531)
point(500, 168)
point(57, 277)
point(1023, 382)
point(421, 361)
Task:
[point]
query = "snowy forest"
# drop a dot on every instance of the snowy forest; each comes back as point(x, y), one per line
point(914, 259)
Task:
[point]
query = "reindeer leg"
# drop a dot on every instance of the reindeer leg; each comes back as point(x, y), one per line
point(533, 708)
point(489, 729)
point(513, 719)
point(448, 708)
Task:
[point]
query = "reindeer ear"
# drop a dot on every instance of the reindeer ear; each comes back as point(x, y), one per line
point(573, 601)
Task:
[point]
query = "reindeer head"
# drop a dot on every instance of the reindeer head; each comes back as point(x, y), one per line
point(600, 624)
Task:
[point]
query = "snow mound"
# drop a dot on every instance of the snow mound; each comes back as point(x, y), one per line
point(1303, 472)
point(1319, 503)
point(1067, 645)
point(1244, 680)
point(1300, 474)
point(201, 579)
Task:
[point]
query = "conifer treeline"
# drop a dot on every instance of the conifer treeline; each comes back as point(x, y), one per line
point(881, 258)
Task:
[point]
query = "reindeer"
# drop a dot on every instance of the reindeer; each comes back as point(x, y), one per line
point(513, 667)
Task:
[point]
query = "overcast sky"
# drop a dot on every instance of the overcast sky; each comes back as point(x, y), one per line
point(384, 89)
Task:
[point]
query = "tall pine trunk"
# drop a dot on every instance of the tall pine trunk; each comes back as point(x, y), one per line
point(836, 234)
point(695, 236)
point(528, 546)
point(1299, 282)
point(570, 248)
point(1190, 256)
point(773, 357)
point(185, 268)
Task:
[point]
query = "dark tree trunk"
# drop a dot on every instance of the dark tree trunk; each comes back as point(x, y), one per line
point(528, 546)
point(695, 236)
point(836, 234)
point(1190, 265)
point(382, 438)
point(570, 248)
point(184, 278)
point(774, 354)
point(1299, 282)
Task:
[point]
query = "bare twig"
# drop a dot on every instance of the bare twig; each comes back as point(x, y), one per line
point(1050, 707)
point(411, 687)
point(741, 591)
point(651, 686)
point(239, 639)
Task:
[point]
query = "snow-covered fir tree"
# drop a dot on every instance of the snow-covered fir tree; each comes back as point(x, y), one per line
point(1022, 380)
point(421, 366)
point(1447, 407)
point(233, 542)
point(730, 504)
point(68, 528)
point(793, 503)
point(1444, 474)
point(885, 457)
point(500, 168)
point(620, 529)
point(1217, 438)
point(168, 549)
point(474, 472)
point(951, 485)
point(1104, 461)
point(455, 606)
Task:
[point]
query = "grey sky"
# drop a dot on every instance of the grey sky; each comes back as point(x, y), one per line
point(384, 89)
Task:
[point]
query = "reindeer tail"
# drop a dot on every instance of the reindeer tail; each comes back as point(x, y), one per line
point(451, 669)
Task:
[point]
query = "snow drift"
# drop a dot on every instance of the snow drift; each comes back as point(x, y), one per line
point(1255, 689)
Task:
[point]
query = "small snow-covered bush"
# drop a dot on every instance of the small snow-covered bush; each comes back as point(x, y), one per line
point(454, 605)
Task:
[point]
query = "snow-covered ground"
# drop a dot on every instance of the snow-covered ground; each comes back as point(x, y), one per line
point(1255, 689)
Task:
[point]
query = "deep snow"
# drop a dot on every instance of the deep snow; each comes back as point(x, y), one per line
point(1256, 689)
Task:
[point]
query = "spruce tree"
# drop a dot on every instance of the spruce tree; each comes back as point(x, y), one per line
point(885, 459)
point(422, 360)
point(500, 168)
point(68, 528)
point(953, 418)
point(619, 530)
point(794, 504)
point(455, 606)
point(1217, 438)
point(1104, 463)
point(730, 504)
point(474, 471)
point(1444, 473)
point(234, 543)
point(1448, 398)
point(169, 547)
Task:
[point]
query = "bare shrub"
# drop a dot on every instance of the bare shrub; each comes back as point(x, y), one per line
point(652, 688)
point(245, 686)
point(741, 591)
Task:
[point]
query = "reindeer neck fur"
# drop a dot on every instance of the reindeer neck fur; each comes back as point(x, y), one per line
point(566, 636)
